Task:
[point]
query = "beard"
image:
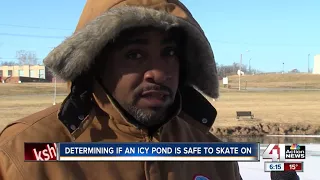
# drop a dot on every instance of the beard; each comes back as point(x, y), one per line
point(150, 116)
point(147, 117)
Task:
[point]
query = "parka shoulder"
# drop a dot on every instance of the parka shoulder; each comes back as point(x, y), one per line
point(43, 126)
point(39, 127)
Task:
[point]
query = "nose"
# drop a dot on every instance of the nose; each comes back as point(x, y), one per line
point(157, 76)
point(158, 73)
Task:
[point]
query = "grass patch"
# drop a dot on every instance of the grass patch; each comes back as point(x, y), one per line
point(293, 107)
point(269, 107)
point(31, 88)
point(308, 81)
point(16, 107)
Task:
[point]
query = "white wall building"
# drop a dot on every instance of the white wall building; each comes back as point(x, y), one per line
point(316, 65)
point(240, 73)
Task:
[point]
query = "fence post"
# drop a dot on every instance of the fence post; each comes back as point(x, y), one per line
point(55, 91)
point(305, 86)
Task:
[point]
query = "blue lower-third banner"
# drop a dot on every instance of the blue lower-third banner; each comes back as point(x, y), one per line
point(158, 152)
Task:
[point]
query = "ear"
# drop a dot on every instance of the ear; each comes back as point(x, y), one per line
point(69, 84)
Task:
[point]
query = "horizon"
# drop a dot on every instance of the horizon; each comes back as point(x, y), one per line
point(287, 35)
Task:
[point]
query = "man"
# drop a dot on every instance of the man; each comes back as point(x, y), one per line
point(135, 70)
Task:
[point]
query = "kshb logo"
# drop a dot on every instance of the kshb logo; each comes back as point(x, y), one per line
point(276, 152)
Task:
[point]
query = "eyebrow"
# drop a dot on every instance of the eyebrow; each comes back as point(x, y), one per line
point(133, 41)
point(168, 40)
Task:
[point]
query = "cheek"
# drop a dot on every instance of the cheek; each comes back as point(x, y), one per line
point(175, 80)
point(126, 85)
point(175, 76)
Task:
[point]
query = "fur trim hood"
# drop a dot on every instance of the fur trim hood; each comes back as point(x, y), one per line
point(101, 21)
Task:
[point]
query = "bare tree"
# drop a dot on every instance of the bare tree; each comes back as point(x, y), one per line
point(26, 57)
point(22, 57)
point(294, 71)
point(32, 58)
point(227, 70)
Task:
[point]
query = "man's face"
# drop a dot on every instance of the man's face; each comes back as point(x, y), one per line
point(142, 73)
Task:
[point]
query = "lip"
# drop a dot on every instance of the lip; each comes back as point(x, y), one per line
point(148, 102)
point(164, 93)
point(149, 99)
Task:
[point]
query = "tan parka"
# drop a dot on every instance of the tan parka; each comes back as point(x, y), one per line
point(98, 118)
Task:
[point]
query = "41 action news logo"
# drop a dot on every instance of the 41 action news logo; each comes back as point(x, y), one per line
point(281, 152)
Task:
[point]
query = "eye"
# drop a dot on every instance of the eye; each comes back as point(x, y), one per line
point(134, 55)
point(170, 51)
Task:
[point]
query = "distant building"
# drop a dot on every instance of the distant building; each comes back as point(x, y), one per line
point(25, 73)
point(316, 65)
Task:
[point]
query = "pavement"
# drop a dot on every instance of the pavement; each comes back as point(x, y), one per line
point(255, 170)
point(279, 89)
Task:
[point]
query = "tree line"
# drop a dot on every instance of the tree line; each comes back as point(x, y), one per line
point(30, 58)
point(22, 58)
point(228, 70)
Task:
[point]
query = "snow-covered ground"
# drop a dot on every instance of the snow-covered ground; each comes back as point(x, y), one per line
point(255, 170)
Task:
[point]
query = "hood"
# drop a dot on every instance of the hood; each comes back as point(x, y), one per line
point(101, 21)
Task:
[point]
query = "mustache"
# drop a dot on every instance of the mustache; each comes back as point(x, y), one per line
point(156, 87)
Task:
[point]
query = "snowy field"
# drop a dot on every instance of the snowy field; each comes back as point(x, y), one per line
point(255, 170)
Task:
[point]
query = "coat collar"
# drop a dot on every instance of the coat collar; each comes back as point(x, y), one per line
point(109, 105)
point(201, 112)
